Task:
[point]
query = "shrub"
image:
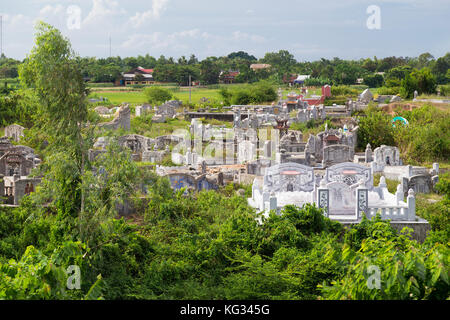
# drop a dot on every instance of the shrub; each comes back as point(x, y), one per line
point(242, 97)
point(343, 91)
point(374, 80)
point(376, 129)
point(388, 90)
point(157, 94)
point(445, 90)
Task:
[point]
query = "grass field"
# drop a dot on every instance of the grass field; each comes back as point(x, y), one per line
point(138, 96)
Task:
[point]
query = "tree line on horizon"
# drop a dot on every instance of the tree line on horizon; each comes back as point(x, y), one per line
point(375, 72)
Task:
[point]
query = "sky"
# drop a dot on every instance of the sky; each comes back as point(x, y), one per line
point(310, 30)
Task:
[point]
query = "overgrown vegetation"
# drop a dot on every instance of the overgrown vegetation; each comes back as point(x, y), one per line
point(424, 139)
point(194, 245)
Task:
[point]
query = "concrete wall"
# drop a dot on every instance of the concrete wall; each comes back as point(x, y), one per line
point(420, 227)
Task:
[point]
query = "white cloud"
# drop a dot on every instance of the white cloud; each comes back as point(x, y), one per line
point(178, 43)
point(103, 12)
point(158, 7)
point(243, 36)
point(51, 10)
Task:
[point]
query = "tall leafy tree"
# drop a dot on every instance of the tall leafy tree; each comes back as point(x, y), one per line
point(53, 73)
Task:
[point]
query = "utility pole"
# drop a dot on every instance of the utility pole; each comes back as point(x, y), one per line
point(110, 46)
point(189, 88)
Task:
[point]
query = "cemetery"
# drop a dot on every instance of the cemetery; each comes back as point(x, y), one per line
point(223, 178)
point(324, 170)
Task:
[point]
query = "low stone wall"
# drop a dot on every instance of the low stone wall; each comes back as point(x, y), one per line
point(211, 115)
point(246, 178)
point(420, 227)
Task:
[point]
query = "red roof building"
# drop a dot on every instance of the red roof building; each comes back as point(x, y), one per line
point(137, 75)
point(228, 76)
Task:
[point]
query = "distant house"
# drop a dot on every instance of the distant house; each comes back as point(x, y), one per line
point(260, 66)
point(301, 79)
point(228, 76)
point(137, 75)
point(289, 78)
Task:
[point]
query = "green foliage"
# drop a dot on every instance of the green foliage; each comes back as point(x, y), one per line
point(198, 245)
point(374, 80)
point(422, 140)
point(391, 184)
point(392, 90)
point(375, 128)
point(437, 213)
point(37, 276)
point(157, 94)
point(314, 82)
point(261, 92)
point(421, 80)
point(408, 271)
point(445, 89)
point(343, 91)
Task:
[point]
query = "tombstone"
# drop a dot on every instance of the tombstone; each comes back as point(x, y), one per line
point(121, 120)
point(411, 201)
point(326, 91)
point(420, 183)
point(362, 198)
point(246, 151)
point(301, 116)
point(335, 154)
point(23, 187)
point(350, 174)
point(101, 143)
point(386, 156)
point(323, 113)
point(102, 110)
point(434, 181)
point(203, 167)
point(142, 110)
point(14, 131)
point(268, 149)
point(237, 119)
point(366, 96)
point(368, 153)
point(435, 169)
point(395, 99)
point(254, 122)
point(220, 179)
point(323, 197)
point(314, 112)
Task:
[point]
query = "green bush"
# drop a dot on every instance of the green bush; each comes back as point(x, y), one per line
point(346, 91)
point(375, 128)
point(422, 140)
point(339, 100)
point(157, 94)
point(388, 90)
point(373, 80)
point(445, 90)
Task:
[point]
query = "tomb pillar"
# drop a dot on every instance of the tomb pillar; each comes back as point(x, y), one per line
point(323, 197)
point(411, 205)
point(362, 194)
